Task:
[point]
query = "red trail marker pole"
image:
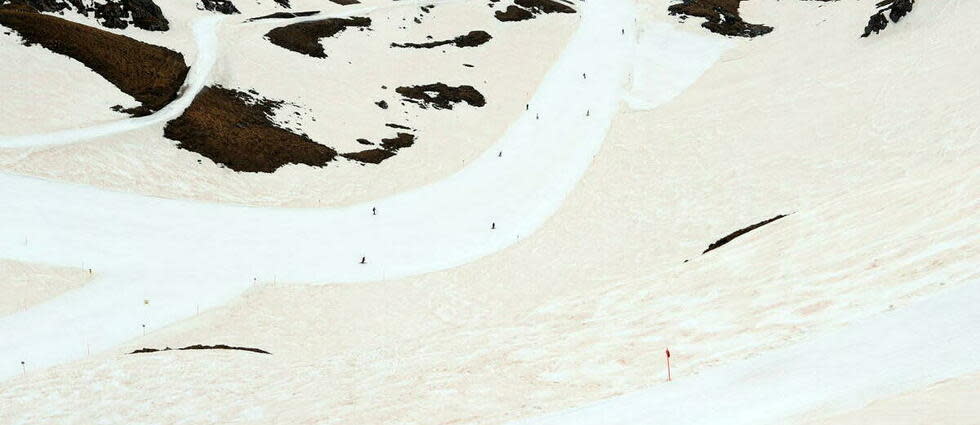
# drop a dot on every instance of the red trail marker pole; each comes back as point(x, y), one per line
point(667, 351)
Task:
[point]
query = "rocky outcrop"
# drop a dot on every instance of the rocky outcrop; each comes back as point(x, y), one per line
point(117, 14)
point(389, 147)
point(201, 347)
point(441, 96)
point(523, 10)
point(151, 74)
point(238, 130)
point(721, 16)
point(304, 37)
point(731, 236)
point(221, 6)
point(472, 39)
point(894, 9)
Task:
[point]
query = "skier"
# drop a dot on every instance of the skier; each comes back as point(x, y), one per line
point(500, 154)
point(493, 226)
point(374, 211)
point(363, 260)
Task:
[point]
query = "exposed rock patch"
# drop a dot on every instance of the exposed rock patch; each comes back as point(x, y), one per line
point(346, 2)
point(143, 14)
point(304, 37)
point(731, 236)
point(523, 10)
point(896, 10)
point(201, 347)
point(472, 39)
point(389, 147)
point(441, 96)
point(284, 15)
point(152, 75)
point(237, 130)
point(118, 14)
point(721, 16)
point(221, 6)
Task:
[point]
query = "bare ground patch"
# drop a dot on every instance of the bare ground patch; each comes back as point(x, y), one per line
point(523, 10)
point(441, 96)
point(151, 74)
point(304, 37)
point(237, 130)
point(201, 347)
point(471, 39)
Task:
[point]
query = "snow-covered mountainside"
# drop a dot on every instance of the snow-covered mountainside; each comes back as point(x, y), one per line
point(489, 212)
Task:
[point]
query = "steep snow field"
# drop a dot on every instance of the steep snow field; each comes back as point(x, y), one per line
point(339, 92)
point(216, 251)
point(26, 285)
point(854, 307)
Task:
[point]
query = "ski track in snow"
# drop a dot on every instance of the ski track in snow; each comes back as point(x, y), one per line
point(185, 255)
point(206, 38)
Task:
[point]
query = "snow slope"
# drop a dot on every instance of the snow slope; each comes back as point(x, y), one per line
point(205, 34)
point(933, 340)
point(186, 255)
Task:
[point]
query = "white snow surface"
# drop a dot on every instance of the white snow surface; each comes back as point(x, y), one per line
point(188, 255)
point(205, 35)
point(894, 352)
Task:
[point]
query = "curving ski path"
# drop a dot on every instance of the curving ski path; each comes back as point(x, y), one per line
point(206, 38)
point(184, 255)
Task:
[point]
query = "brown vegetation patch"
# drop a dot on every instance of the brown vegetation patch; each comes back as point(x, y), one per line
point(472, 39)
point(304, 37)
point(237, 130)
point(150, 74)
point(731, 236)
point(721, 16)
point(441, 96)
point(201, 347)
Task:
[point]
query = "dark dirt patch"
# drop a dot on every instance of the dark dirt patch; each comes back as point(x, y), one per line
point(400, 127)
point(370, 156)
point(236, 129)
point(896, 10)
point(441, 96)
point(389, 147)
point(545, 6)
point(150, 74)
point(472, 39)
point(523, 10)
point(284, 15)
point(304, 37)
point(346, 2)
point(402, 140)
point(201, 347)
point(721, 16)
point(221, 6)
point(513, 14)
point(740, 232)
